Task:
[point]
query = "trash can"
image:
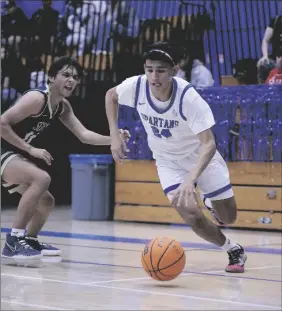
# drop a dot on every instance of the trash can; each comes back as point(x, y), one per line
point(92, 186)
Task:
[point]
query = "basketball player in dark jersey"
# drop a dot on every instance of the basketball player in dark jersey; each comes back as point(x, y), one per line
point(21, 124)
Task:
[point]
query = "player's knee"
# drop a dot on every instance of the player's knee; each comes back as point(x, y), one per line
point(48, 201)
point(231, 217)
point(42, 180)
point(226, 210)
point(190, 213)
point(194, 218)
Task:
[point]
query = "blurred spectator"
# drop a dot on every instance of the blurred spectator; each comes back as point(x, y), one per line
point(245, 71)
point(95, 11)
point(200, 74)
point(14, 72)
point(124, 18)
point(38, 77)
point(264, 69)
point(44, 23)
point(118, 22)
point(83, 20)
point(77, 31)
point(193, 69)
point(76, 27)
point(8, 97)
point(15, 25)
point(8, 93)
point(273, 34)
point(275, 75)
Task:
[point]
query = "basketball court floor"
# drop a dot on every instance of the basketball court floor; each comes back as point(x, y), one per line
point(100, 269)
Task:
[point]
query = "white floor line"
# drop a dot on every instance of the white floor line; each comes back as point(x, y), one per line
point(31, 305)
point(117, 280)
point(201, 272)
point(264, 267)
point(263, 306)
point(222, 270)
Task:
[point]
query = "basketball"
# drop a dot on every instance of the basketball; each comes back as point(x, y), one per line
point(163, 259)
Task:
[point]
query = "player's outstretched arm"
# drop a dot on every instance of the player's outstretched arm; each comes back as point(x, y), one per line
point(112, 110)
point(118, 146)
point(69, 119)
point(29, 104)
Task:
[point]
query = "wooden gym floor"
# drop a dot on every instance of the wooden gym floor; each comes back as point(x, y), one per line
point(100, 269)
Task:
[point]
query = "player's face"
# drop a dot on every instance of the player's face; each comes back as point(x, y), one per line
point(66, 80)
point(159, 74)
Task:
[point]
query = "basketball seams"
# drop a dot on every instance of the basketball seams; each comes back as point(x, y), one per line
point(151, 259)
point(164, 253)
point(171, 265)
point(175, 268)
point(173, 262)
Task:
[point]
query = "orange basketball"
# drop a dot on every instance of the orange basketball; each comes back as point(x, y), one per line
point(163, 259)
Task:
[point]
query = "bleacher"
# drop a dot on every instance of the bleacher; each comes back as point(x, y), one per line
point(99, 35)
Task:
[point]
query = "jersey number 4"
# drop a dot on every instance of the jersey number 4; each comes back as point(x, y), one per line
point(164, 132)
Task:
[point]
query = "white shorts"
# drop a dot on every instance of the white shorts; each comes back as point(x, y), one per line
point(213, 183)
point(6, 157)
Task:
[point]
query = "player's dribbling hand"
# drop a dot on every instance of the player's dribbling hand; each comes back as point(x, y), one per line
point(41, 154)
point(185, 190)
point(118, 148)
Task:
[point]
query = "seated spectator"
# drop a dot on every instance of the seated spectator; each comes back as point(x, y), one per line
point(38, 77)
point(44, 23)
point(273, 34)
point(124, 18)
point(14, 72)
point(263, 70)
point(245, 71)
point(194, 70)
point(77, 27)
point(14, 25)
point(8, 97)
point(275, 75)
point(200, 74)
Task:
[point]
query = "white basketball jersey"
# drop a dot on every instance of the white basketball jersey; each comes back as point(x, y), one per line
point(172, 131)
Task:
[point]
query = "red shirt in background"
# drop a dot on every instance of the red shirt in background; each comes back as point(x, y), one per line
point(275, 76)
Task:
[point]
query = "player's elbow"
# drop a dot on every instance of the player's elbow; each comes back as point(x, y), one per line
point(83, 136)
point(5, 124)
point(111, 96)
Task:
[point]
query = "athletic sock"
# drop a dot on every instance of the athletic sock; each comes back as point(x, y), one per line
point(228, 245)
point(17, 232)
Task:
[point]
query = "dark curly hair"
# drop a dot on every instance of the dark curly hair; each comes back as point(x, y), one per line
point(164, 51)
point(63, 61)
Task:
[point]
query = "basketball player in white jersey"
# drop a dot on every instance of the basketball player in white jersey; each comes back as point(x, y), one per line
point(21, 126)
point(178, 124)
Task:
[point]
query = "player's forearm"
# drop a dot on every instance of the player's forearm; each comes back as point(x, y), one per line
point(206, 153)
point(12, 138)
point(93, 138)
point(112, 112)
